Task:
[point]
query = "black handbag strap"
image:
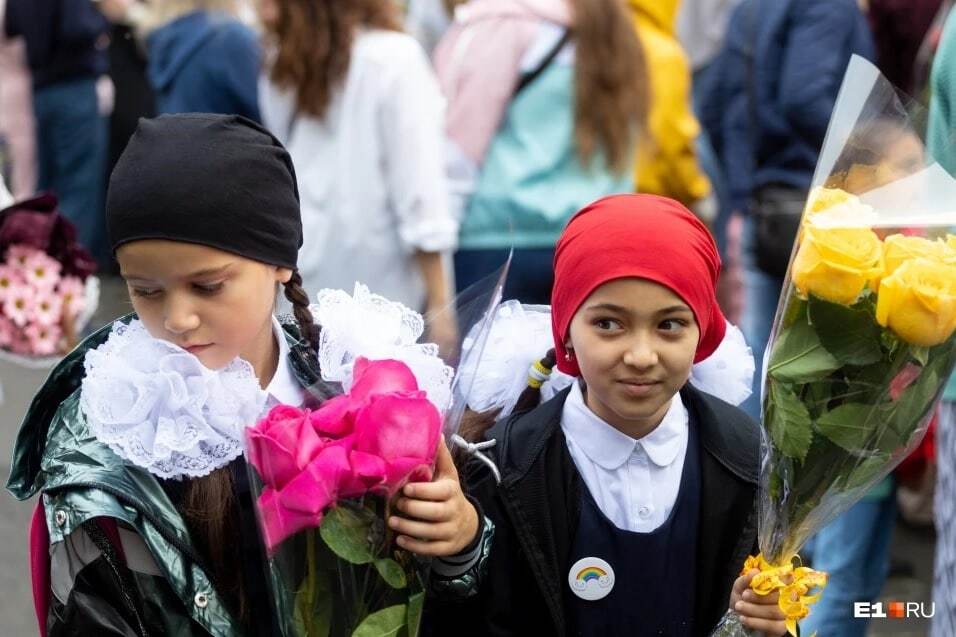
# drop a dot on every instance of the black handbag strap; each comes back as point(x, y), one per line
point(532, 75)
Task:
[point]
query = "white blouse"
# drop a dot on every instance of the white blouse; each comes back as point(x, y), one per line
point(635, 482)
point(371, 171)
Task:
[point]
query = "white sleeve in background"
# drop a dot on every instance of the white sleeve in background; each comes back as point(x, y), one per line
point(411, 120)
point(5, 197)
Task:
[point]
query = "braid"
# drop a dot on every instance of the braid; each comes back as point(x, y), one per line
point(296, 295)
point(531, 395)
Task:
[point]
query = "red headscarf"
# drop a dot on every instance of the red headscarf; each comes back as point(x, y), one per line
point(641, 236)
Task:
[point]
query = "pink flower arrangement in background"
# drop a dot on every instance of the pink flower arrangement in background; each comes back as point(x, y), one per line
point(381, 435)
point(36, 302)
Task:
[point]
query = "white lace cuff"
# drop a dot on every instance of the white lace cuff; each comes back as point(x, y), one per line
point(157, 407)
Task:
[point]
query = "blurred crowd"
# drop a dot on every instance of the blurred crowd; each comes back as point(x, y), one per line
point(433, 137)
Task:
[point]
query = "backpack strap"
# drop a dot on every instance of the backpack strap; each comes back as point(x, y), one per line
point(530, 76)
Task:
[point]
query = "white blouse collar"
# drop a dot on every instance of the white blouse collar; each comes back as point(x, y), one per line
point(609, 448)
point(283, 389)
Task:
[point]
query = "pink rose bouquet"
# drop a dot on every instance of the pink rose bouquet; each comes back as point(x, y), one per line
point(325, 478)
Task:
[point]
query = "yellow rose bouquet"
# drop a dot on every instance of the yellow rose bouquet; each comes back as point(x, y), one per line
point(863, 339)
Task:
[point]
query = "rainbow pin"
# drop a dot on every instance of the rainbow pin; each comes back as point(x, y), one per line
point(591, 578)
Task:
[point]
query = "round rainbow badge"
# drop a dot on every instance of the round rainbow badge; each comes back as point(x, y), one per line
point(591, 578)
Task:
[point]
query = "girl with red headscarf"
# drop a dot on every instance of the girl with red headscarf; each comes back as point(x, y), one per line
point(626, 503)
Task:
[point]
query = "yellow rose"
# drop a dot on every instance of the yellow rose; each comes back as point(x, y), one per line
point(898, 248)
point(918, 302)
point(836, 263)
point(822, 198)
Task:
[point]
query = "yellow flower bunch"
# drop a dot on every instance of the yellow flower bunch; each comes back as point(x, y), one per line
point(915, 276)
point(794, 584)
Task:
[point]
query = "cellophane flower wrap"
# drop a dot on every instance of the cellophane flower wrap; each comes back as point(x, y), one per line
point(862, 343)
point(47, 291)
point(326, 476)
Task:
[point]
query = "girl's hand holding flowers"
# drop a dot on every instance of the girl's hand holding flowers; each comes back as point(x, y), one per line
point(757, 612)
point(438, 518)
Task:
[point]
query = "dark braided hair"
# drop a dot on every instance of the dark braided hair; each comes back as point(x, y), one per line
point(297, 296)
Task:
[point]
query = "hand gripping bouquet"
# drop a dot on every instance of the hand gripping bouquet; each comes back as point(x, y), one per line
point(325, 477)
point(862, 342)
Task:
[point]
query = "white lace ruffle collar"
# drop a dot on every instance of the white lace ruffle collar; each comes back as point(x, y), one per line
point(157, 407)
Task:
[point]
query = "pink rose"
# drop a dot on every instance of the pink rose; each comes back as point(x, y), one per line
point(380, 377)
point(301, 503)
point(379, 436)
point(282, 444)
point(403, 430)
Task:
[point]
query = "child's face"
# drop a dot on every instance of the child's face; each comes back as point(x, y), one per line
point(634, 341)
point(215, 304)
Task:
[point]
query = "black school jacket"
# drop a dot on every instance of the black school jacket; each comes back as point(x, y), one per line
point(536, 510)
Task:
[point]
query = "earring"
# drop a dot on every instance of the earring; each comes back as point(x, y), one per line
point(568, 354)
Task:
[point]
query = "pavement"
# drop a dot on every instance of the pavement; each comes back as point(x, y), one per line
point(911, 547)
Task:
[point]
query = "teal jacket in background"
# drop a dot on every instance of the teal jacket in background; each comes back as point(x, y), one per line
point(532, 181)
point(942, 120)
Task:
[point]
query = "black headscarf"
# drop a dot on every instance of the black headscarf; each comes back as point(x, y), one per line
point(217, 180)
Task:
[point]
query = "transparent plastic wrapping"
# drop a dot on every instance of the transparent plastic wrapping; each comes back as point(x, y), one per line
point(325, 479)
point(862, 343)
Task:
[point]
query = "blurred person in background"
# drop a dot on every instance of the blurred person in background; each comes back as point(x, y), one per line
point(356, 103)
point(201, 58)
point(899, 28)
point(17, 134)
point(66, 44)
point(767, 113)
point(942, 124)
point(428, 20)
point(667, 161)
point(546, 101)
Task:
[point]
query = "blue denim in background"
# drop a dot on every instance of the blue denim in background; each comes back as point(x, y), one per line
point(761, 295)
point(854, 550)
point(529, 280)
point(72, 145)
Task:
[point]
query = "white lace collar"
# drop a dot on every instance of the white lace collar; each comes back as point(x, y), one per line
point(157, 407)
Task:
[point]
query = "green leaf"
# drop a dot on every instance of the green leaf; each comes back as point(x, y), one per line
point(392, 572)
point(789, 423)
point(798, 356)
point(346, 531)
point(920, 354)
point(384, 623)
point(416, 604)
point(851, 335)
point(851, 426)
point(866, 471)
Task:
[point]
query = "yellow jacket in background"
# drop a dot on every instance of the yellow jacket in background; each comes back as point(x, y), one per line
point(667, 157)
